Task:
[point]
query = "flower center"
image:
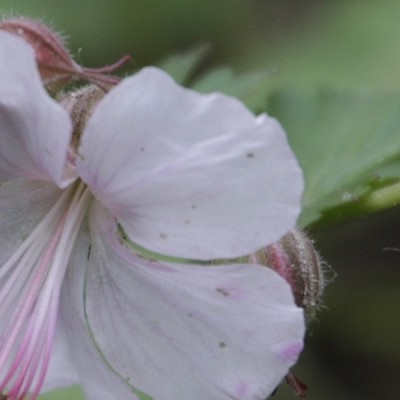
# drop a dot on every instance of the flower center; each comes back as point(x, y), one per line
point(29, 297)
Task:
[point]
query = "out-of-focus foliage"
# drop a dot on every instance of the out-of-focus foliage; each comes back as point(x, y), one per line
point(72, 393)
point(343, 141)
point(314, 64)
point(345, 43)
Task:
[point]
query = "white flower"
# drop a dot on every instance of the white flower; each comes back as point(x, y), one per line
point(184, 174)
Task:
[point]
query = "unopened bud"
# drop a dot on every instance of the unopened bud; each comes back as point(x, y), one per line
point(56, 66)
point(294, 258)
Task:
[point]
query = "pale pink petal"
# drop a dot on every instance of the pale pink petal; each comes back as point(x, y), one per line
point(61, 372)
point(35, 132)
point(187, 174)
point(182, 332)
point(93, 373)
point(22, 205)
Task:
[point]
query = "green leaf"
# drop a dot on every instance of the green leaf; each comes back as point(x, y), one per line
point(348, 144)
point(73, 392)
point(251, 87)
point(182, 66)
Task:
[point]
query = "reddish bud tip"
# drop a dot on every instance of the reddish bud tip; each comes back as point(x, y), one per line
point(56, 66)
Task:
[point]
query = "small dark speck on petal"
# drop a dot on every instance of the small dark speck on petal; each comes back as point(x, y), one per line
point(222, 291)
point(194, 206)
point(88, 257)
point(163, 235)
point(187, 221)
point(222, 345)
point(250, 155)
point(142, 149)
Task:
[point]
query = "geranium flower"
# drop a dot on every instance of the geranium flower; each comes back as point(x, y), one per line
point(180, 173)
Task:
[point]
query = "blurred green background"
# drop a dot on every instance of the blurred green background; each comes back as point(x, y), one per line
point(353, 349)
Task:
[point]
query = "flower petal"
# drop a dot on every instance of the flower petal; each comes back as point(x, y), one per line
point(61, 371)
point(93, 374)
point(35, 132)
point(22, 206)
point(189, 175)
point(185, 332)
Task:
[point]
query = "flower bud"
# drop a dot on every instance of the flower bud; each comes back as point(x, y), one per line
point(56, 66)
point(295, 259)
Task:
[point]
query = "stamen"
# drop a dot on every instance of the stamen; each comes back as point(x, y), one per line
point(30, 294)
